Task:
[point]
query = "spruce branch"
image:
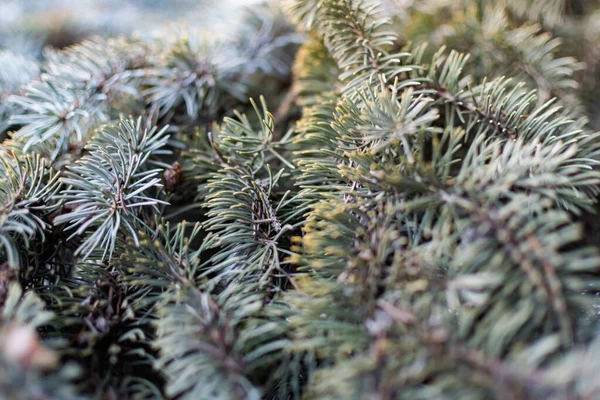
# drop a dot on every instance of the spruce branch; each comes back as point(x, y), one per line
point(110, 188)
point(550, 13)
point(357, 35)
point(242, 202)
point(108, 333)
point(315, 72)
point(501, 107)
point(240, 210)
point(416, 234)
point(266, 40)
point(27, 194)
point(29, 368)
point(72, 97)
point(17, 70)
point(211, 344)
point(197, 73)
point(535, 54)
point(55, 113)
point(164, 260)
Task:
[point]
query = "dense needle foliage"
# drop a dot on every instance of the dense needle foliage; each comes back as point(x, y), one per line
point(339, 199)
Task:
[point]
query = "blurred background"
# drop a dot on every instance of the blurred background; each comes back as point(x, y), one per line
point(27, 26)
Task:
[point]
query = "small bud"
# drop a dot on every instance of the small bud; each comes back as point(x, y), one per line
point(173, 176)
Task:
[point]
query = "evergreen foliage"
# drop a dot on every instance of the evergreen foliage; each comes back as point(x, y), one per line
point(319, 205)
